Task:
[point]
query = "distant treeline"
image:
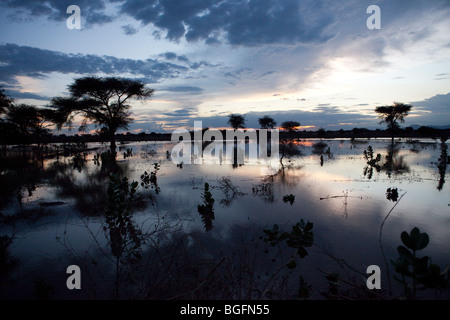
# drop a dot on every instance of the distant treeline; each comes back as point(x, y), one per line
point(408, 132)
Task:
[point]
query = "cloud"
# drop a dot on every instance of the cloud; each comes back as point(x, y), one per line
point(248, 23)
point(184, 89)
point(433, 111)
point(92, 11)
point(186, 112)
point(129, 29)
point(18, 60)
point(26, 95)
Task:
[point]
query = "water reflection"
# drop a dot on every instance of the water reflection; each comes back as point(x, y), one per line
point(443, 160)
point(166, 250)
point(372, 162)
point(395, 163)
point(206, 210)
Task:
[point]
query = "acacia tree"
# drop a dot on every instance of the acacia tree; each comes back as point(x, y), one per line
point(267, 122)
point(290, 126)
point(391, 115)
point(236, 121)
point(26, 121)
point(102, 101)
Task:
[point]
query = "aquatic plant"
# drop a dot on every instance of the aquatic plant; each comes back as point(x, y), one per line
point(289, 198)
point(206, 210)
point(372, 162)
point(420, 270)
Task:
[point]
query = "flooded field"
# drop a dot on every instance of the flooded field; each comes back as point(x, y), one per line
point(207, 231)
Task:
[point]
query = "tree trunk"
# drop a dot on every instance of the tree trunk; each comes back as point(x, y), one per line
point(113, 144)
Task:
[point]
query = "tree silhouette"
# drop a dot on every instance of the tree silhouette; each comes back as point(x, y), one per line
point(290, 126)
point(267, 122)
point(392, 114)
point(103, 101)
point(5, 101)
point(236, 121)
point(26, 121)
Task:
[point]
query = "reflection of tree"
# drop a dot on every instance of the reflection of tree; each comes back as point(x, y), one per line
point(124, 238)
point(18, 179)
point(206, 210)
point(288, 174)
point(443, 161)
point(319, 149)
point(288, 149)
point(372, 162)
point(264, 189)
point(7, 263)
point(237, 153)
point(89, 190)
point(394, 162)
point(230, 191)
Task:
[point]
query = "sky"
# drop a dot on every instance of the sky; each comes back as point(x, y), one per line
point(313, 61)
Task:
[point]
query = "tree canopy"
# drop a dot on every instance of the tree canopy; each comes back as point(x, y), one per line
point(290, 126)
point(392, 114)
point(267, 122)
point(102, 101)
point(236, 121)
point(5, 101)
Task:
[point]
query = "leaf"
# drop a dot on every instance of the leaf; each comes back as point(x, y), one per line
point(422, 265)
point(308, 227)
point(302, 252)
point(405, 253)
point(406, 239)
point(423, 241)
point(291, 264)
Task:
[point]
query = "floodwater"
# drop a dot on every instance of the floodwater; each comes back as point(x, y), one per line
point(53, 216)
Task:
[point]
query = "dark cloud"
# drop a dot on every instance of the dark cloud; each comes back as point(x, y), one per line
point(183, 89)
point(250, 23)
point(38, 63)
point(327, 108)
point(129, 29)
point(186, 112)
point(169, 55)
point(437, 110)
point(26, 95)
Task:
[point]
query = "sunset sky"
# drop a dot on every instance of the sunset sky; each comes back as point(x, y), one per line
point(312, 61)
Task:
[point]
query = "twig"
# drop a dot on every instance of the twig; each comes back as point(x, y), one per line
point(201, 284)
point(381, 246)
